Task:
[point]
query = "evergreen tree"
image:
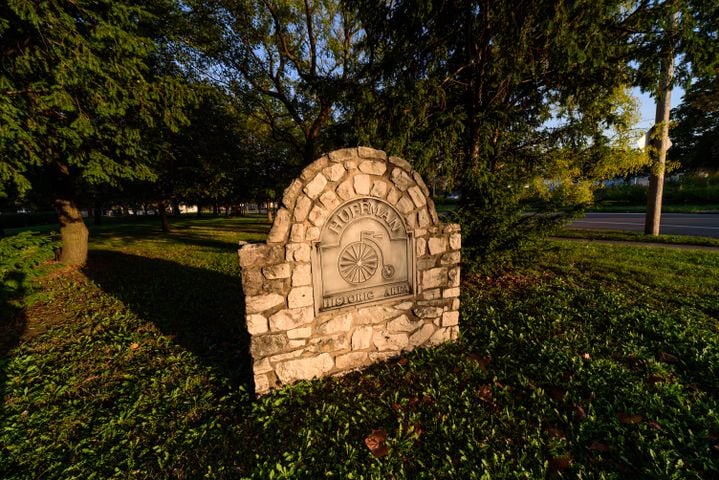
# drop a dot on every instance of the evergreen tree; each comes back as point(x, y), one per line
point(76, 92)
point(521, 103)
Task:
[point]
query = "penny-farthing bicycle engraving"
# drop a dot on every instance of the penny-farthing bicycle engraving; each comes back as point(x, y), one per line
point(358, 262)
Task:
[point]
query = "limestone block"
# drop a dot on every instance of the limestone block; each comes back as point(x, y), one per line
point(381, 356)
point(454, 277)
point(401, 179)
point(450, 319)
point(252, 282)
point(312, 234)
point(346, 189)
point(455, 304)
point(350, 165)
point(332, 343)
point(297, 252)
point(366, 152)
point(334, 172)
point(405, 205)
point(253, 254)
point(304, 368)
point(289, 197)
point(455, 241)
point(426, 263)
point(385, 340)
point(440, 336)
point(343, 154)
point(419, 199)
point(418, 180)
point(432, 211)
point(256, 324)
point(403, 324)
point(261, 366)
point(427, 312)
point(313, 168)
point(300, 297)
point(302, 208)
point(338, 324)
point(423, 218)
point(435, 277)
point(286, 356)
point(401, 163)
point(318, 215)
point(373, 168)
point(451, 293)
point(315, 186)
point(290, 319)
point(297, 343)
point(404, 306)
point(273, 272)
point(295, 333)
point(375, 314)
point(411, 220)
point(422, 335)
point(362, 184)
point(420, 232)
point(362, 337)
point(450, 258)
point(437, 245)
point(330, 200)
point(421, 244)
point(432, 294)
point(260, 303)
point(297, 234)
point(302, 275)
point(393, 196)
point(379, 189)
point(262, 383)
point(266, 345)
point(351, 360)
point(280, 227)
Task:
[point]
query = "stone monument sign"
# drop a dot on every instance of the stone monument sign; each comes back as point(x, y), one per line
point(356, 269)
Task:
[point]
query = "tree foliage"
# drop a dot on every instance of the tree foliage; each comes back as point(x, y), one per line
point(76, 92)
point(290, 63)
point(696, 135)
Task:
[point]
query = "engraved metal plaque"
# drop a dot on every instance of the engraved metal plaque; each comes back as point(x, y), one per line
point(364, 254)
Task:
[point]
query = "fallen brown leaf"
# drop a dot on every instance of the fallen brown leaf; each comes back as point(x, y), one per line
point(557, 464)
point(555, 432)
point(375, 441)
point(134, 346)
point(629, 419)
point(654, 425)
point(599, 446)
point(485, 393)
point(579, 413)
point(667, 358)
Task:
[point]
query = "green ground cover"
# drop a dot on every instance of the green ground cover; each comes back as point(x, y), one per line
point(599, 362)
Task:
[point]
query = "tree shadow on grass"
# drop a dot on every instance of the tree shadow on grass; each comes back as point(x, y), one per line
point(200, 309)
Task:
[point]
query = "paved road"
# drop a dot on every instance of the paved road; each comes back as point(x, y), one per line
point(704, 225)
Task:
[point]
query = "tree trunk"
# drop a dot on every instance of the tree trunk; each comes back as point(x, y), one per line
point(176, 208)
point(73, 232)
point(660, 143)
point(97, 213)
point(162, 210)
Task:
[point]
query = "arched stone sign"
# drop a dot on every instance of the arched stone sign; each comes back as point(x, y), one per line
point(356, 269)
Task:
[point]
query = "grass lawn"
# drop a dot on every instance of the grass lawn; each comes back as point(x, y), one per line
point(620, 236)
point(599, 362)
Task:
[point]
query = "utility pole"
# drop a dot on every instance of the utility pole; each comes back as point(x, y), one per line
point(660, 137)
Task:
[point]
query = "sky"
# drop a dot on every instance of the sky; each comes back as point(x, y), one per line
point(647, 107)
